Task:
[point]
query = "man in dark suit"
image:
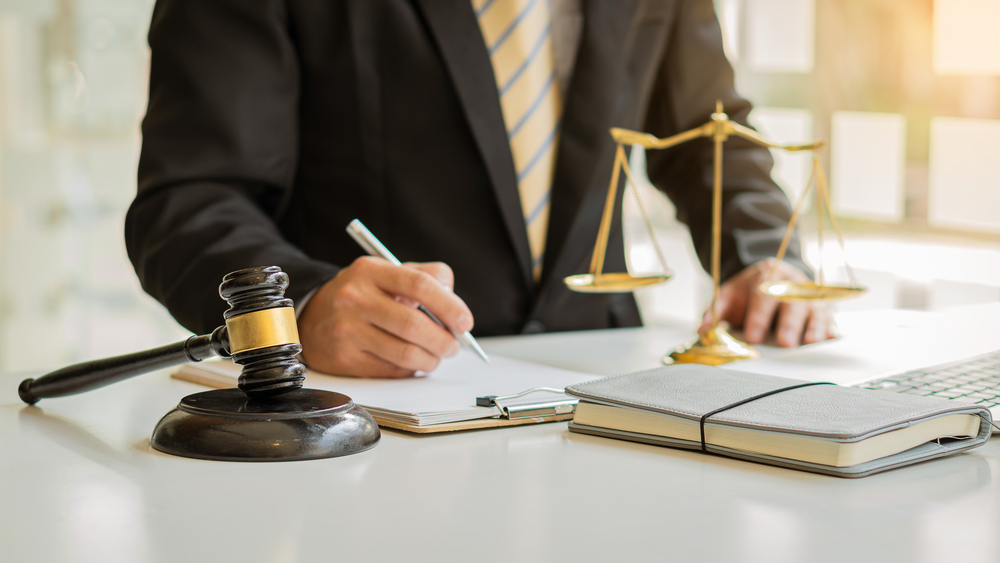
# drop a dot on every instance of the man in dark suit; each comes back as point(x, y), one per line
point(272, 123)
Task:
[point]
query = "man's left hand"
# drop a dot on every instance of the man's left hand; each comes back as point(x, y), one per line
point(742, 304)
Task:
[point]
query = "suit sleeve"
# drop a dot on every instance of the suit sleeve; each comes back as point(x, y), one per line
point(219, 154)
point(755, 212)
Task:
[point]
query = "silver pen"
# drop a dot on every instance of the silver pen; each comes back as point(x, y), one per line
point(374, 247)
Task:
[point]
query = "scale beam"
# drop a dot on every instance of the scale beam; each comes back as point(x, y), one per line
point(716, 345)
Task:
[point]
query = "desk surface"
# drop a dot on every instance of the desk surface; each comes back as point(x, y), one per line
point(79, 482)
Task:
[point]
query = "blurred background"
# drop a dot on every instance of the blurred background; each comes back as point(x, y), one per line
point(907, 92)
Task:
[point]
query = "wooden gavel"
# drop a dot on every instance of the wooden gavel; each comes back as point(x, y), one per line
point(260, 334)
point(269, 418)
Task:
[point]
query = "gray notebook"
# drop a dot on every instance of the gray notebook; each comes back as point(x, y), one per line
point(842, 431)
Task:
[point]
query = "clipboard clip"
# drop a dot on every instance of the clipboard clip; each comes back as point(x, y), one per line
point(529, 410)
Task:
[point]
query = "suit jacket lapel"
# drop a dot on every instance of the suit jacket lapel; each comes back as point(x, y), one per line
point(586, 150)
point(456, 31)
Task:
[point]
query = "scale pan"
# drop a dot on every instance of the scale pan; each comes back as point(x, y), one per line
point(785, 290)
point(620, 282)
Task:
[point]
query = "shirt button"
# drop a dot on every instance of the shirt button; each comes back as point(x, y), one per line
point(533, 327)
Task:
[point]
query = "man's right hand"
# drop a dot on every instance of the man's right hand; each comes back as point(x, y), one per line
point(364, 322)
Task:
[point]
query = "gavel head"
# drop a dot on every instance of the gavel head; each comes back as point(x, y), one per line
point(262, 333)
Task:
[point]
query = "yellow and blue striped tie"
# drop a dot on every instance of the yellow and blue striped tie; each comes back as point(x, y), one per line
point(518, 35)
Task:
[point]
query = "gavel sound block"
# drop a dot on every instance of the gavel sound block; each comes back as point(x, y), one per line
point(270, 417)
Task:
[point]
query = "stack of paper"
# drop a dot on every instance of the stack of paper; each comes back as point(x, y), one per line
point(446, 395)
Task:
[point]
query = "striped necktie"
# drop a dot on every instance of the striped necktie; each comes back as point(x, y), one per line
point(518, 35)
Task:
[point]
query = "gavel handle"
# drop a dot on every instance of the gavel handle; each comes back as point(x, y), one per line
point(98, 373)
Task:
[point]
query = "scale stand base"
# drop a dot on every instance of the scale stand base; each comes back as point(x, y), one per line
point(225, 425)
point(713, 348)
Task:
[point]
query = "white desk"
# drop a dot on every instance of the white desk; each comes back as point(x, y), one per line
point(79, 482)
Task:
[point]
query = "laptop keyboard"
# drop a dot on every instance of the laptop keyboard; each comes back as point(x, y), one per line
point(974, 380)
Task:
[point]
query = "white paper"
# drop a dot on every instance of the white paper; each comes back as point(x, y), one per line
point(446, 395)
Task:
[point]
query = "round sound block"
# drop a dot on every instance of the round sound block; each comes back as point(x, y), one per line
point(226, 425)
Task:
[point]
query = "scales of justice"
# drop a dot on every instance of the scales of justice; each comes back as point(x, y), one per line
point(716, 345)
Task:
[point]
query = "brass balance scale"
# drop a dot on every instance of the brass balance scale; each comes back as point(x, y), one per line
point(716, 345)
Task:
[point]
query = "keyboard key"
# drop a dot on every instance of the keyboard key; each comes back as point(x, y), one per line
point(894, 389)
point(891, 381)
point(972, 380)
point(965, 400)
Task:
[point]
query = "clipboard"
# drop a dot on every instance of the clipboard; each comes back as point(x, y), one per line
point(478, 424)
point(457, 396)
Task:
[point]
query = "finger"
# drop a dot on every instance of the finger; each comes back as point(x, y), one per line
point(334, 353)
point(721, 305)
point(783, 271)
point(729, 307)
point(359, 363)
point(395, 350)
point(759, 314)
point(734, 296)
point(423, 288)
point(414, 327)
point(408, 302)
point(437, 270)
point(375, 366)
point(832, 330)
point(706, 321)
point(791, 322)
point(819, 327)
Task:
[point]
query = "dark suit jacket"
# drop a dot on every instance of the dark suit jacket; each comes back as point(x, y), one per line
point(273, 123)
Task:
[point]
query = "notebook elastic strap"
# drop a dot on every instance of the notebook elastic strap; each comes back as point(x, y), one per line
point(704, 447)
